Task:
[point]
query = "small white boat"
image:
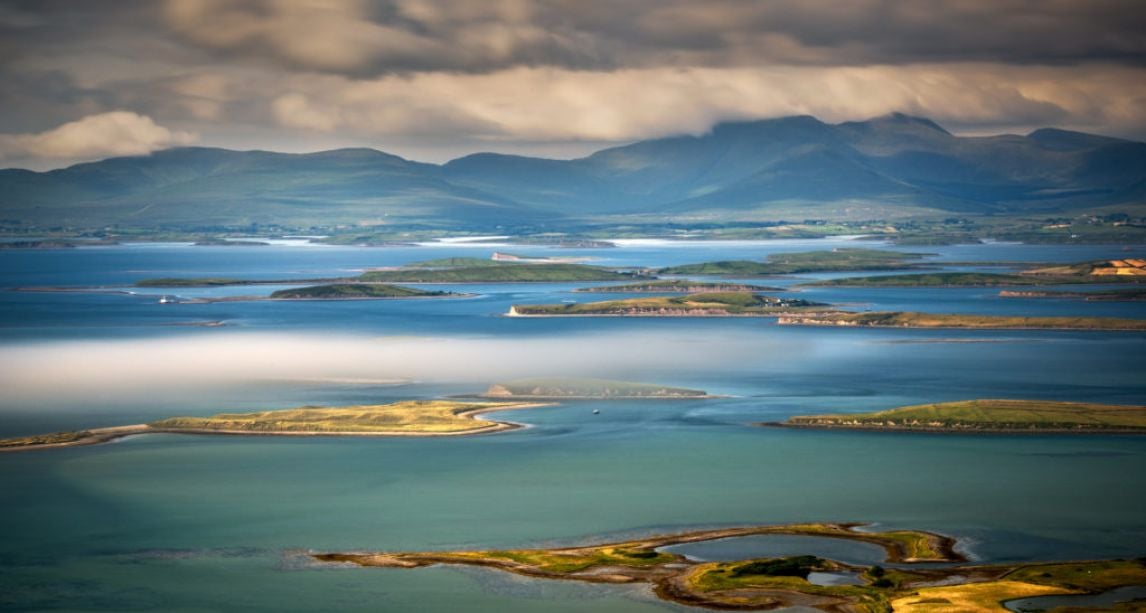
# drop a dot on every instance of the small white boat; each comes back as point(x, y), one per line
point(596, 411)
point(167, 300)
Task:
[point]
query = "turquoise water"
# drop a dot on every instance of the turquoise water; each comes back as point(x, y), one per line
point(168, 522)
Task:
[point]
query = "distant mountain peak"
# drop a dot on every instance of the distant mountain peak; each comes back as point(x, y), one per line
point(1069, 140)
point(898, 119)
point(738, 167)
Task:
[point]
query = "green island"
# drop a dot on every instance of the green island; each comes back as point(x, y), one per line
point(728, 304)
point(1124, 294)
point(496, 272)
point(353, 291)
point(455, 262)
point(447, 270)
point(678, 286)
point(226, 242)
point(767, 583)
point(406, 418)
point(972, 416)
point(897, 319)
point(585, 388)
point(836, 260)
point(1103, 271)
point(933, 279)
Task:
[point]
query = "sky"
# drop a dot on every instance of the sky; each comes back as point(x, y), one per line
point(431, 80)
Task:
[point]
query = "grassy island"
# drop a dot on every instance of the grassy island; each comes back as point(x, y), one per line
point(811, 261)
point(1128, 294)
point(408, 418)
point(494, 272)
point(972, 416)
point(729, 304)
point(1126, 269)
point(225, 242)
point(352, 291)
point(1107, 271)
point(895, 319)
point(766, 583)
point(678, 286)
point(585, 388)
point(444, 270)
point(933, 279)
point(413, 417)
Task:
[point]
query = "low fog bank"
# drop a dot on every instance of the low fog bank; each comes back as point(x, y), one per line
point(75, 369)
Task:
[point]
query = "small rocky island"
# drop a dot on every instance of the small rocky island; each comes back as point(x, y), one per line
point(445, 270)
point(729, 304)
point(678, 286)
point(793, 581)
point(555, 389)
point(975, 416)
point(1103, 271)
point(1127, 294)
point(836, 260)
point(898, 319)
point(353, 291)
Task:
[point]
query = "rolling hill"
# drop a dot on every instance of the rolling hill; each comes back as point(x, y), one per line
point(895, 160)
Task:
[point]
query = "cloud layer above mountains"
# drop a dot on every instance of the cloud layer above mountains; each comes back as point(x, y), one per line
point(431, 79)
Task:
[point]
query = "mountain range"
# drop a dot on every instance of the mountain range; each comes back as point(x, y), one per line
point(736, 169)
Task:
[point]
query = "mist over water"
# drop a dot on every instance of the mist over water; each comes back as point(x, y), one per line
point(143, 366)
point(170, 522)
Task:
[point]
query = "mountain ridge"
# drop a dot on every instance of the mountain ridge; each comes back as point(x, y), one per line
point(736, 167)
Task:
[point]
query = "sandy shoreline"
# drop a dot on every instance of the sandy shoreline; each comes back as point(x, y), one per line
point(97, 436)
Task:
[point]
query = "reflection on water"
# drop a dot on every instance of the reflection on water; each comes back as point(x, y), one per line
point(836, 578)
point(1105, 599)
point(781, 545)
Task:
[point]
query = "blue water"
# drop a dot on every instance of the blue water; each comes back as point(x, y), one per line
point(168, 522)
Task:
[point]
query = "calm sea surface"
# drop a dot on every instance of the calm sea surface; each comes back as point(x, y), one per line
point(193, 523)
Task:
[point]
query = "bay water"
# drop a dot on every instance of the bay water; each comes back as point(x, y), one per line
point(198, 523)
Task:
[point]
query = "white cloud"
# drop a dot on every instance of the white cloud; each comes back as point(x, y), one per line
point(550, 104)
point(106, 134)
point(295, 110)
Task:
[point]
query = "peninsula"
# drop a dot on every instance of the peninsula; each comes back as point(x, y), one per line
point(974, 416)
point(767, 583)
point(543, 389)
point(896, 319)
point(407, 418)
point(836, 260)
point(678, 286)
point(729, 304)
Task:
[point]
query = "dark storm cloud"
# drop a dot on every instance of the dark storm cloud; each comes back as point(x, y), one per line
point(364, 37)
point(412, 35)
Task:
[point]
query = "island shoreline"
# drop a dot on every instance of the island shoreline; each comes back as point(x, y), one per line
point(99, 436)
